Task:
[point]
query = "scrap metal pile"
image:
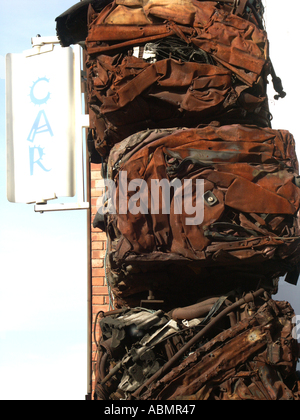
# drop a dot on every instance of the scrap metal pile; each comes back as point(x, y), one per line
point(177, 91)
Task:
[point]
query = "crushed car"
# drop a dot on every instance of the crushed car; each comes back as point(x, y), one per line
point(177, 95)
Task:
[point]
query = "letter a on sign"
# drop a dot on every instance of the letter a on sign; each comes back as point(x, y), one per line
point(40, 116)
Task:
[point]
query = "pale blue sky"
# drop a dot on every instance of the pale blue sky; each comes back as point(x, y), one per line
point(43, 257)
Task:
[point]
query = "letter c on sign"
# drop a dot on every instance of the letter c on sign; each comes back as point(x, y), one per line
point(38, 94)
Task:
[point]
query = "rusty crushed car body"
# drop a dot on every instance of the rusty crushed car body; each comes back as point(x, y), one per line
point(177, 95)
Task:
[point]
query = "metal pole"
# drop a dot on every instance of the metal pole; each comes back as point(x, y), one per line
point(89, 262)
point(89, 282)
point(89, 249)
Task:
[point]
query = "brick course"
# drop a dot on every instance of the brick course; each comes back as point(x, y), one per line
point(100, 300)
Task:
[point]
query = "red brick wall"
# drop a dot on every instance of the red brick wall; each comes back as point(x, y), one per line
point(100, 300)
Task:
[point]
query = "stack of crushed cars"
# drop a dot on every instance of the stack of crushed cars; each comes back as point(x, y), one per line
point(177, 90)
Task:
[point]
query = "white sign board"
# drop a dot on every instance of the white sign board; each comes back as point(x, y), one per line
point(40, 115)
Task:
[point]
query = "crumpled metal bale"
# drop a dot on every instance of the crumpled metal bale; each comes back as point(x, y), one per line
point(238, 43)
point(132, 86)
point(128, 95)
point(236, 163)
point(159, 356)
